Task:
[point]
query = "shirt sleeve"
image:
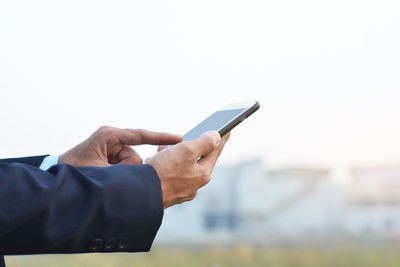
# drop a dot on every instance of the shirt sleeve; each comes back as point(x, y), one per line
point(49, 162)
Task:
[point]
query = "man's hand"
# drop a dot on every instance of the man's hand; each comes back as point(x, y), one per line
point(187, 166)
point(110, 145)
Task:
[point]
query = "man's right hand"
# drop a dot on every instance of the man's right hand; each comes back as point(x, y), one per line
point(187, 166)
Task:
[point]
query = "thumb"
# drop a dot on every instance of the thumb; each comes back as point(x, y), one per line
point(206, 143)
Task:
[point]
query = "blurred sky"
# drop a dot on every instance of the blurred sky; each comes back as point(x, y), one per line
point(327, 74)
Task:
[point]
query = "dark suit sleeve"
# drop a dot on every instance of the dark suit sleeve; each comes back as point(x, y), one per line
point(78, 209)
point(34, 160)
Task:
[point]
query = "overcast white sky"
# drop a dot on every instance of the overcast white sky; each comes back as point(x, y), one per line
point(327, 74)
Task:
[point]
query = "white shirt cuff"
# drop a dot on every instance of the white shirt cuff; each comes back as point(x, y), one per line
point(49, 161)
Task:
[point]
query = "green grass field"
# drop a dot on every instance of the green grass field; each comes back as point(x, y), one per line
point(243, 255)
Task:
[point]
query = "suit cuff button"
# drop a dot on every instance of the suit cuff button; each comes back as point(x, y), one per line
point(122, 244)
point(110, 244)
point(96, 245)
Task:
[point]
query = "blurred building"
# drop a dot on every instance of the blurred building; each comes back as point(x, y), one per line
point(375, 185)
point(372, 207)
point(245, 203)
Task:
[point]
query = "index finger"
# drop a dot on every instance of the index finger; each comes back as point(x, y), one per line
point(140, 136)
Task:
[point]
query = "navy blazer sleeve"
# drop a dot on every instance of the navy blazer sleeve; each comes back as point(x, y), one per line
point(34, 160)
point(78, 209)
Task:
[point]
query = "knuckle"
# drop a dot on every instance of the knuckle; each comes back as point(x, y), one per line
point(193, 195)
point(206, 179)
point(205, 173)
point(188, 195)
point(205, 176)
point(104, 129)
point(184, 197)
